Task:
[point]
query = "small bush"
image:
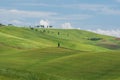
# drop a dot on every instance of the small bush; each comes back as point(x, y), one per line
point(31, 28)
point(48, 31)
point(44, 30)
point(36, 29)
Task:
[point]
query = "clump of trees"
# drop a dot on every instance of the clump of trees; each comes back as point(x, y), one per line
point(10, 24)
point(39, 26)
point(95, 39)
point(50, 27)
point(42, 26)
point(1, 25)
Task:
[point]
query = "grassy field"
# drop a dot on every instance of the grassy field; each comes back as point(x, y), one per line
point(27, 54)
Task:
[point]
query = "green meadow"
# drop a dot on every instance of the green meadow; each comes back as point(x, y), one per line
point(33, 54)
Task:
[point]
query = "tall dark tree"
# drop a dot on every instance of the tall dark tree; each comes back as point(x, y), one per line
point(58, 44)
point(58, 33)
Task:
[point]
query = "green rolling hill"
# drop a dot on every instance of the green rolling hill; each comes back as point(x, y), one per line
point(32, 54)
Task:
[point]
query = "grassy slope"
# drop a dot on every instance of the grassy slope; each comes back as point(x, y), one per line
point(62, 64)
point(74, 39)
point(32, 55)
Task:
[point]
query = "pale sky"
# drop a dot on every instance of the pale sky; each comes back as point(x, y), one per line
point(83, 14)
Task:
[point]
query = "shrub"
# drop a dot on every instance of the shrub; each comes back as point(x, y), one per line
point(58, 33)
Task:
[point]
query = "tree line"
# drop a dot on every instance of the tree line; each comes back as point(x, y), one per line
point(42, 26)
